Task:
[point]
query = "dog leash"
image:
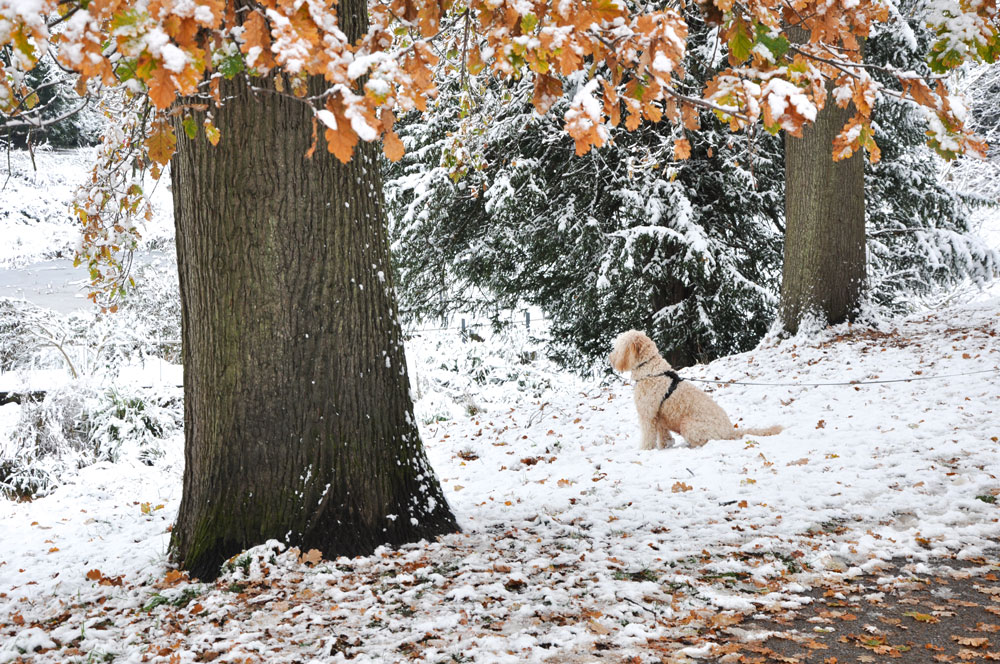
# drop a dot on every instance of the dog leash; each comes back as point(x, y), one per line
point(852, 382)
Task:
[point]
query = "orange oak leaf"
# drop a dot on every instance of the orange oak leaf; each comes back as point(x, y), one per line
point(212, 133)
point(160, 146)
point(162, 89)
point(311, 557)
point(392, 146)
point(548, 90)
point(682, 149)
point(341, 141)
point(257, 42)
point(612, 107)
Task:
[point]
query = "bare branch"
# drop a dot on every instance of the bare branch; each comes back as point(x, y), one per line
point(45, 122)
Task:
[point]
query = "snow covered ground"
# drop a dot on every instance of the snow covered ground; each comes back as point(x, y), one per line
point(573, 539)
point(575, 545)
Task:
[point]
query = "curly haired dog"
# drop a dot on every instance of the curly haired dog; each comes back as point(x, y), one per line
point(666, 403)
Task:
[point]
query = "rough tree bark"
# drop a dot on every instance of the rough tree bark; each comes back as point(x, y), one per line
point(298, 419)
point(824, 263)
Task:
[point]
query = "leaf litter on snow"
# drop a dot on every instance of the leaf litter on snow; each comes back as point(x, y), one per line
point(576, 545)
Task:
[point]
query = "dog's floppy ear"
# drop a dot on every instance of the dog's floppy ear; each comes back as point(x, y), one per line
point(628, 356)
point(635, 348)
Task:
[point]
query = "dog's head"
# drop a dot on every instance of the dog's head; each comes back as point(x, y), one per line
point(631, 348)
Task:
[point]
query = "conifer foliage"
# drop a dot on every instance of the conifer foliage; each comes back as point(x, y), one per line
point(52, 113)
point(491, 209)
point(495, 210)
point(919, 226)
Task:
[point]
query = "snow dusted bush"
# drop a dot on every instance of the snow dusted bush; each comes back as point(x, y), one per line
point(16, 338)
point(153, 307)
point(453, 377)
point(49, 438)
point(79, 425)
point(87, 342)
point(133, 424)
point(84, 422)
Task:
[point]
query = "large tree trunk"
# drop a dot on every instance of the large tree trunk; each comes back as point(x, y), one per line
point(824, 266)
point(298, 419)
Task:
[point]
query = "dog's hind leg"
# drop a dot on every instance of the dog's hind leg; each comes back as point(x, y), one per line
point(695, 433)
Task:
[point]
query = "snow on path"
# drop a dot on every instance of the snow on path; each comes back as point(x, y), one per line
point(574, 540)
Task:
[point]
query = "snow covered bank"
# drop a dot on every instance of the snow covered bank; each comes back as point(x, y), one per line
point(35, 207)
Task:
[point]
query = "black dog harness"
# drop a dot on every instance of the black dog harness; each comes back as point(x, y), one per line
point(675, 380)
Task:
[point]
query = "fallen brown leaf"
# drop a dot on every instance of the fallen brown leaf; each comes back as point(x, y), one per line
point(598, 628)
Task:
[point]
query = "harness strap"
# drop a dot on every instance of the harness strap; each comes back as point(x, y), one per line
point(675, 380)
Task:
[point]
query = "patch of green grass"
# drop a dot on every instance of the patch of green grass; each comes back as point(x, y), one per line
point(185, 597)
point(642, 575)
point(155, 601)
point(991, 500)
point(445, 569)
point(406, 611)
point(241, 562)
point(729, 576)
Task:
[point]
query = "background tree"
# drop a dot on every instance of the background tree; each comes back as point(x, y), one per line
point(48, 110)
point(823, 272)
point(491, 210)
point(919, 230)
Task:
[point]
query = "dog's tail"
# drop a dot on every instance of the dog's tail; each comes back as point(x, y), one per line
point(758, 431)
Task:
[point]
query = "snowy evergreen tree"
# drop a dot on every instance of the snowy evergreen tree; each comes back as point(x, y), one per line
point(51, 102)
point(977, 178)
point(492, 209)
point(497, 211)
point(919, 228)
